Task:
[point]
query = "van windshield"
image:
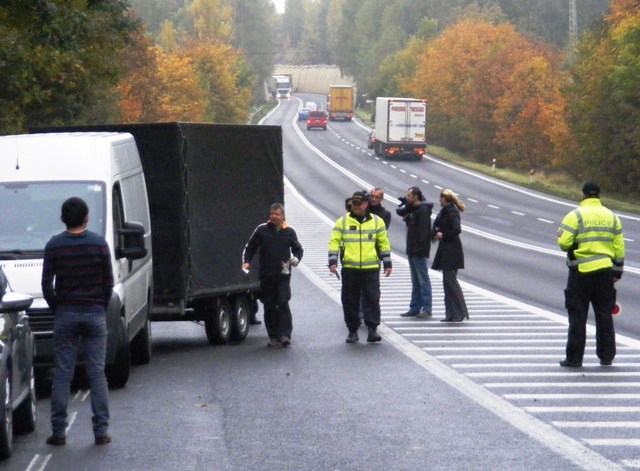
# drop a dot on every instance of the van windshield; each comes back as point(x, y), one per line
point(30, 212)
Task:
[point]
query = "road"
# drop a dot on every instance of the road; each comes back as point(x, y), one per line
point(509, 233)
point(486, 394)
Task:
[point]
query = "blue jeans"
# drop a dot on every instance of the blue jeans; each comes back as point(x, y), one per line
point(421, 298)
point(71, 328)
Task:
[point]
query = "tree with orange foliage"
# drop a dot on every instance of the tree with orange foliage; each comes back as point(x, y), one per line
point(160, 86)
point(472, 77)
point(218, 71)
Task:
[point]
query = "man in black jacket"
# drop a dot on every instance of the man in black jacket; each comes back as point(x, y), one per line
point(416, 213)
point(279, 251)
point(376, 197)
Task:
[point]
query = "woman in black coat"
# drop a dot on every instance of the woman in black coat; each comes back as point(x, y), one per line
point(449, 256)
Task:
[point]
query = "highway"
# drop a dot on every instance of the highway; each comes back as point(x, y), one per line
point(509, 232)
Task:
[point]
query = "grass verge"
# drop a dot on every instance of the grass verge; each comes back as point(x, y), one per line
point(553, 184)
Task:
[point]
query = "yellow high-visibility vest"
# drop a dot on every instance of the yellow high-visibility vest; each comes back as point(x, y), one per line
point(363, 244)
point(594, 234)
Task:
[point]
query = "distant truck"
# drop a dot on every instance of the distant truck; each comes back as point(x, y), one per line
point(340, 102)
point(282, 86)
point(176, 202)
point(400, 127)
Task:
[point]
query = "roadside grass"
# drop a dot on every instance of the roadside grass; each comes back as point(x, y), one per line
point(556, 184)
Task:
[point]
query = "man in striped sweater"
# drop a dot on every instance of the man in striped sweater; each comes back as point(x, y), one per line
point(77, 282)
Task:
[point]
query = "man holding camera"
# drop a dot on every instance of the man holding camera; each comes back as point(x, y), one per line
point(416, 213)
point(279, 251)
point(363, 238)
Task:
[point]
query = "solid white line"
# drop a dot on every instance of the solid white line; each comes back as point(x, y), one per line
point(549, 374)
point(545, 434)
point(628, 384)
point(613, 441)
point(585, 409)
point(513, 188)
point(493, 237)
point(610, 424)
point(572, 396)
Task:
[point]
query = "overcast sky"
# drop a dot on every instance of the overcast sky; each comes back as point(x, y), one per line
point(279, 5)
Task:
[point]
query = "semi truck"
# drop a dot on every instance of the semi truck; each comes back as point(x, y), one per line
point(340, 102)
point(400, 127)
point(205, 195)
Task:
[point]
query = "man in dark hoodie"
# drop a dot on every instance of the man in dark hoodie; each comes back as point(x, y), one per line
point(279, 250)
point(416, 213)
point(376, 197)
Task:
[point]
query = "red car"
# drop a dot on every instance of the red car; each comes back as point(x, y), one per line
point(317, 119)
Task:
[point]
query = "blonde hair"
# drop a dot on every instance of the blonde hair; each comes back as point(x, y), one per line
point(450, 197)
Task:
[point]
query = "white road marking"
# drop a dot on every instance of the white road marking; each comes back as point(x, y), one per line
point(542, 432)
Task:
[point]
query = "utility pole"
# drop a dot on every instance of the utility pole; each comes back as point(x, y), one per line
point(573, 26)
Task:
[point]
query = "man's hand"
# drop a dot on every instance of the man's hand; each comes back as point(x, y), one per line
point(387, 272)
point(245, 267)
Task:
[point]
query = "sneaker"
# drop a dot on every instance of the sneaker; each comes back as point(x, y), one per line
point(373, 336)
point(409, 314)
point(254, 321)
point(57, 440)
point(424, 315)
point(103, 440)
point(274, 343)
point(352, 337)
point(605, 363)
point(570, 364)
point(285, 341)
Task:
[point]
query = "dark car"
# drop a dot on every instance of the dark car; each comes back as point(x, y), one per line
point(317, 119)
point(17, 382)
point(372, 139)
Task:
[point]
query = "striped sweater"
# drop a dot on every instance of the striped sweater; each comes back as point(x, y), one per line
point(77, 272)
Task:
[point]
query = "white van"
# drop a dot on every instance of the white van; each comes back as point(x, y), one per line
point(37, 173)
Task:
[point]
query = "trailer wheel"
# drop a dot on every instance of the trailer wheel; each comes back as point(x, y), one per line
point(217, 325)
point(118, 372)
point(240, 319)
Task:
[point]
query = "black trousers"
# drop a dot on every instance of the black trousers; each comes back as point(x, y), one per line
point(596, 289)
point(357, 284)
point(276, 293)
point(455, 307)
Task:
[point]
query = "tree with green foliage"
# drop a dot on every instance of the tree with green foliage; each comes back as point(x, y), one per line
point(60, 60)
point(605, 101)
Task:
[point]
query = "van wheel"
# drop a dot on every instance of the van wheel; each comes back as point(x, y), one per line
point(141, 345)
point(118, 371)
point(240, 319)
point(25, 414)
point(217, 325)
point(6, 419)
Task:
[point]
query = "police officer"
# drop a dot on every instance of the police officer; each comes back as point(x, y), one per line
point(363, 238)
point(592, 237)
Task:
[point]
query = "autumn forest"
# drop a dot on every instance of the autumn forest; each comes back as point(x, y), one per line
point(534, 84)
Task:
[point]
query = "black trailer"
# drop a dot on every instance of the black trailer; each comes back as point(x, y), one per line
point(208, 187)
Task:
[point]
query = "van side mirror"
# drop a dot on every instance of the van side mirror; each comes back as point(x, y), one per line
point(14, 302)
point(131, 241)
